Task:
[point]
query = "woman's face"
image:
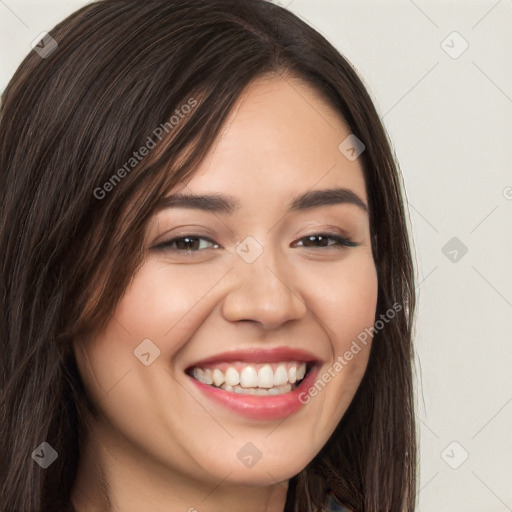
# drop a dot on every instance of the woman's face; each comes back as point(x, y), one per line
point(264, 290)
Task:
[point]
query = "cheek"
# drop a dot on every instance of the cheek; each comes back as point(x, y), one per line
point(347, 301)
point(159, 305)
point(164, 305)
point(346, 306)
point(154, 307)
point(356, 304)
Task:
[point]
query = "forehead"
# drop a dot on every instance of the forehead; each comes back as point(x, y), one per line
point(281, 139)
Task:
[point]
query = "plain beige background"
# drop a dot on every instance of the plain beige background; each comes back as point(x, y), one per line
point(440, 74)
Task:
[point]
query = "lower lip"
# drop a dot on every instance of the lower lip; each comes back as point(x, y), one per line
point(259, 407)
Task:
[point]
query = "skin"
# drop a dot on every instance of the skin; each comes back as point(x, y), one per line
point(161, 445)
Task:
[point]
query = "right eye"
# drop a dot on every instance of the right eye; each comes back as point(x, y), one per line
point(187, 244)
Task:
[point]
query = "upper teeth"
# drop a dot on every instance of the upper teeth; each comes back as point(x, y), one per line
point(251, 375)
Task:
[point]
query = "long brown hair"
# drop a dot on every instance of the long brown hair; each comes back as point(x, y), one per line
point(69, 120)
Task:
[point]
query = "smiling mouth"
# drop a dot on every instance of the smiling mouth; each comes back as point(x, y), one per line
point(252, 379)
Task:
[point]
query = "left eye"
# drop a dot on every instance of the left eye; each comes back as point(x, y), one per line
point(323, 237)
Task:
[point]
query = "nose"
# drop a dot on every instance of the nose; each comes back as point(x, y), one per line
point(262, 292)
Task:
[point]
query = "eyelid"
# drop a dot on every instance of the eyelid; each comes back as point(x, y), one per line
point(163, 245)
point(341, 239)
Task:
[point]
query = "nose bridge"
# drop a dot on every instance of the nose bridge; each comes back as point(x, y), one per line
point(261, 291)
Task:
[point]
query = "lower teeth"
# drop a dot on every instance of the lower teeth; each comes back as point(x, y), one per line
point(278, 390)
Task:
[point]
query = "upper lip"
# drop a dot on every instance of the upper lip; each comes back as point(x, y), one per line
point(260, 355)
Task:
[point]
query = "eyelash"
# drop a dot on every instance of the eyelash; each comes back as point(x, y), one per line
point(165, 246)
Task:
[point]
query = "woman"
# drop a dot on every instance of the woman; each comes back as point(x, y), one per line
point(207, 286)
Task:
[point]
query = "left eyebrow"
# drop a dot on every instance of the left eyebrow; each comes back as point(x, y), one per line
point(220, 203)
point(327, 197)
